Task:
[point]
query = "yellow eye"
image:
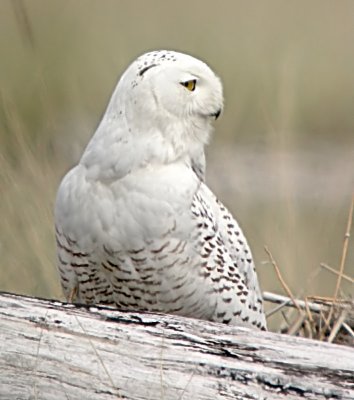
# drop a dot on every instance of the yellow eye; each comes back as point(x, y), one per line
point(190, 85)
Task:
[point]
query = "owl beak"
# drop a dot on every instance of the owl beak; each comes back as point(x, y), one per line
point(216, 114)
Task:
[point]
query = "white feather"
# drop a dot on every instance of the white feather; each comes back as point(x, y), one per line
point(136, 226)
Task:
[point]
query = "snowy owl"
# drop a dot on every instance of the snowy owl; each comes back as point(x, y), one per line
point(136, 225)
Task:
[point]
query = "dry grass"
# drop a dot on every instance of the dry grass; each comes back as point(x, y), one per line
point(321, 318)
point(282, 158)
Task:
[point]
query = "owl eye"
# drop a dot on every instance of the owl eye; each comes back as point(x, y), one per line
point(190, 85)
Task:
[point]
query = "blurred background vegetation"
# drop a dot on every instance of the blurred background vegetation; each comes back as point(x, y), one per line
point(282, 157)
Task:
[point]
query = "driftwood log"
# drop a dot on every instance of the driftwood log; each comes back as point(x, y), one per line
point(52, 350)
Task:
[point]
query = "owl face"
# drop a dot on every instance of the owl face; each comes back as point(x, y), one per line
point(172, 87)
point(161, 111)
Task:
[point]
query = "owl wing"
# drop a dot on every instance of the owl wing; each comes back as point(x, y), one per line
point(228, 262)
point(81, 280)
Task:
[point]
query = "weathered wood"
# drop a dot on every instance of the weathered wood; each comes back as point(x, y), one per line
point(50, 350)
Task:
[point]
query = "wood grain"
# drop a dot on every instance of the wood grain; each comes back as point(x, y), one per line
point(52, 350)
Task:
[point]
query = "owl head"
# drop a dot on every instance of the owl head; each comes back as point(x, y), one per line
point(166, 89)
point(161, 111)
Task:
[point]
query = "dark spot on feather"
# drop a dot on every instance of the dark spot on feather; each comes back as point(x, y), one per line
point(142, 72)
